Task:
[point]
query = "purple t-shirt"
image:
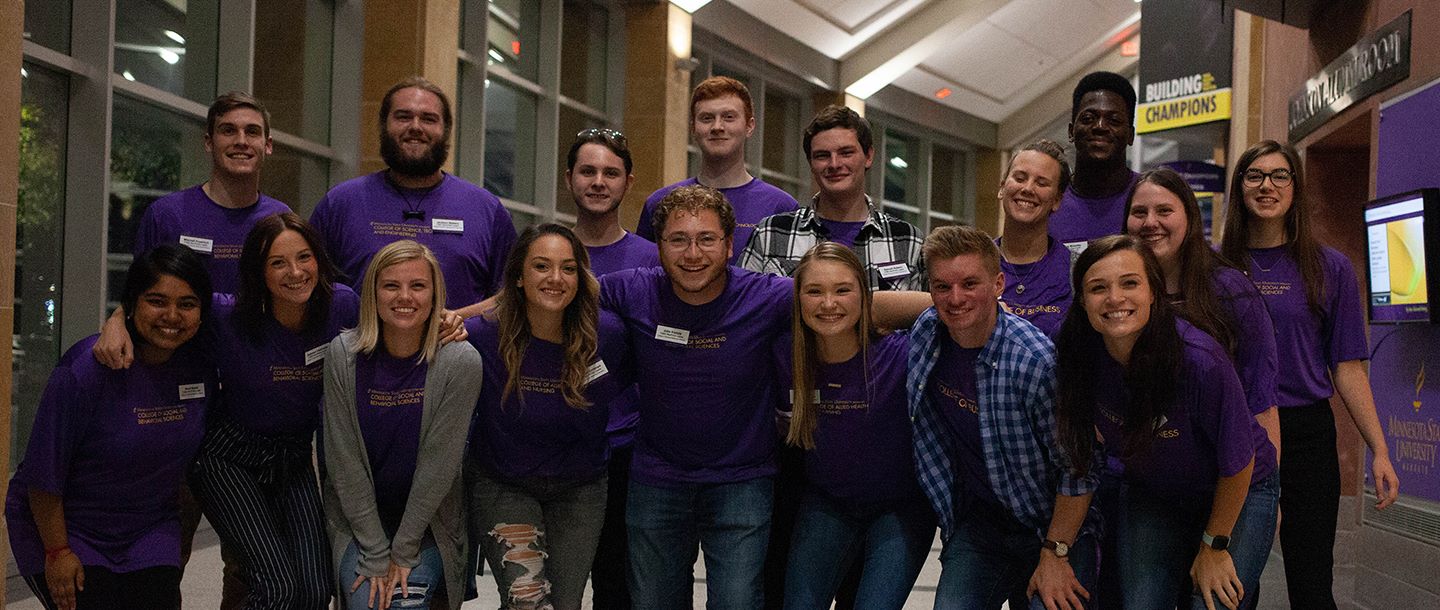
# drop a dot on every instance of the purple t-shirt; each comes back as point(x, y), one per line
point(1208, 433)
point(534, 432)
point(214, 231)
point(753, 201)
point(862, 459)
point(1039, 291)
point(389, 403)
point(1081, 219)
point(1309, 344)
point(841, 232)
point(707, 380)
point(953, 392)
point(466, 227)
point(631, 252)
point(273, 382)
point(1255, 359)
point(115, 446)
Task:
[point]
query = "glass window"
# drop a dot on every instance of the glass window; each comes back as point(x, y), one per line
point(522, 220)
point(297, 179)
point(899, 168)
point(509, 142)
point(39, 235)
point(514, 35)
point(571, 122)
point(946, 195)
point(782, 147)
point(169, 45)
point(583, 40)
point(49, 27)
point(296, 91)
point(152, 154)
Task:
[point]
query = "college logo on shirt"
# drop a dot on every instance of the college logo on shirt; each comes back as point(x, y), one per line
point(145, 416)
point(396, 398)
point(1270, 288)
point(960, 399)
point(279, 373)
point(539, 385)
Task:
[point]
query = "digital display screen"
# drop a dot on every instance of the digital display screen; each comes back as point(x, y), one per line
point(1398, 284)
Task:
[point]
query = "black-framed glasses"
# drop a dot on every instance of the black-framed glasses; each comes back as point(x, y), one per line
point(612, 135)
point(1279, 177)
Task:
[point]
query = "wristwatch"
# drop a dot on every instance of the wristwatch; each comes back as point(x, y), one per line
point(1218, 543)
point(1060, 549)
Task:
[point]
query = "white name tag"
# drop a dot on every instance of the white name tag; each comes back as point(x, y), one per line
point(891, 271)
point(673, 335)
point(596, 371)
point(191, 391)
point(1076, 247)
point(447, 225)
point(316, 354)
point(198, 244)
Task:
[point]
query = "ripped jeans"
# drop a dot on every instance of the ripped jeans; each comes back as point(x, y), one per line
point(426, 580)
point(538, 536)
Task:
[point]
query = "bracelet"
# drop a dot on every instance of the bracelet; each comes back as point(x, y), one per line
point(55, 553)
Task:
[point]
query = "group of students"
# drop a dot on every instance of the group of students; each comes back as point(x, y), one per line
point(1090, 419)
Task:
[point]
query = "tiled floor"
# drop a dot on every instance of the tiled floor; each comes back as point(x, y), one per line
point(202, 584)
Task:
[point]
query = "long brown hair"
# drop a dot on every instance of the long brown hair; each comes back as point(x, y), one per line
point(1198, 263)
point(253, 302)
point(806, 357)
point(1300, 238)
point(578, 325)
point(1151, 376)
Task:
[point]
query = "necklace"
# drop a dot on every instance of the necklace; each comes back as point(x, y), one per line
point(1023, 272)
point(1279, 256)
point(413, 209)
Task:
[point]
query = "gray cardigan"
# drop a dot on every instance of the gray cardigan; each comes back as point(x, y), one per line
point(437, 499)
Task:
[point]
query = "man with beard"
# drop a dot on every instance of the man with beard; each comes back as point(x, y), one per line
point(598, 172)
point(466, 227)
point(1102, 127)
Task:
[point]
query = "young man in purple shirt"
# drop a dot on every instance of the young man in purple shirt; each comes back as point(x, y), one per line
point(213, 217)
point(1102, 127)
point(702, 473)
point(981, 388)
point(598, 172)
point(722, 119)
point(838, 143)
point(466, 227)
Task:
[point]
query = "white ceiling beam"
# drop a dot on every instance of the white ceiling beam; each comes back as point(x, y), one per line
point(914, 39)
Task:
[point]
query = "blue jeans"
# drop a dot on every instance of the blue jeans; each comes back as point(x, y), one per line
point(991, 555)
point(892, 546)
point(1159, 537)
point(729, 521)
point(426, 579)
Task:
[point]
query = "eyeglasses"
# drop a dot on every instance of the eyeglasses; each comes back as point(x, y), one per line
point(611, 135)
point(681, 242)
point(1279, 177)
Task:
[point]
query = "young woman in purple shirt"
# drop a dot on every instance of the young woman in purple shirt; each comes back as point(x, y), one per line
point(1036, 265)
point(1320, 333)
point(254, 477)
point(861, 501)
point(397, 407)
point(93, 510)
point(1205, 288)
point(1163, 398)
point(537, 464)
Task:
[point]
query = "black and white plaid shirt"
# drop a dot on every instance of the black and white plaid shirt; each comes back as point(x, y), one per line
point(887, 246)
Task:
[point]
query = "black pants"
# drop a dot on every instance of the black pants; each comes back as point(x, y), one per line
point(157, 588)
point(1309, 503)
point(266, 506)
point(610, 573)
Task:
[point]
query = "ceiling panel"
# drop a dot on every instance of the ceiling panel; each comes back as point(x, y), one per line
point(1039, 23)
point(850, 15)
point(989, 59)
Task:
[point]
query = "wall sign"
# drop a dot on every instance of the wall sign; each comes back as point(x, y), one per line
point(1185, 57)
point(1376, 62)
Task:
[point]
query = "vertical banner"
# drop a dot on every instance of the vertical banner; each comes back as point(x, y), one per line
point(1185, 55)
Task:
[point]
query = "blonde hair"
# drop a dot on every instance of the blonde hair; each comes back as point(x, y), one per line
point(368, 331)
point(805, 360)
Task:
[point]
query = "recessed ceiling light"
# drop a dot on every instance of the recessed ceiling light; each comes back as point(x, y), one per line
point(898, 162)
point(169, 56)
point(175, 36)
point(128, 76)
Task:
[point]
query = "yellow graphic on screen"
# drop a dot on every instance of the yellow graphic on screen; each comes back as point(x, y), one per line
point(1406, 239)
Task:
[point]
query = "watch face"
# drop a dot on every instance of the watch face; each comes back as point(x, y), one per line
point(1061, 549)
point(1221, 543)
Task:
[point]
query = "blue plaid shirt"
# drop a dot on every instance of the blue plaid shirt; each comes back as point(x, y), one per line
point(1015, 383)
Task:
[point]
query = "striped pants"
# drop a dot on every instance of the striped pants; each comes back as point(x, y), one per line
point(264, 502)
